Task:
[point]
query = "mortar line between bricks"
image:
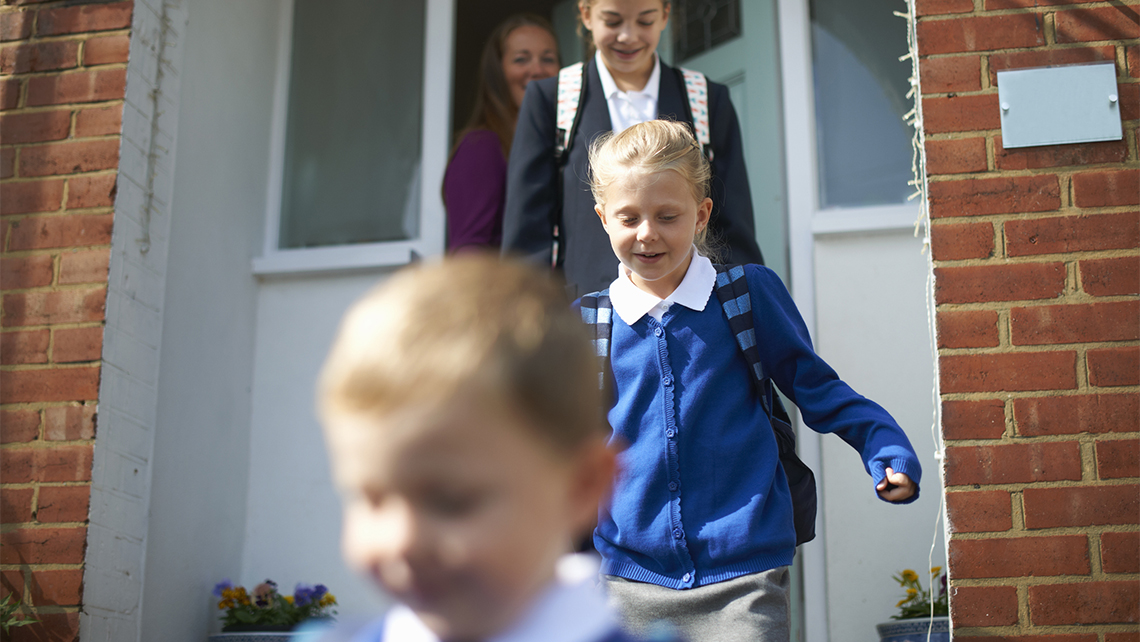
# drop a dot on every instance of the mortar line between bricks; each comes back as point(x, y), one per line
point(1026, 216)
point(1027, 581)
point(79, 36)
point(1076, 298)
point(1015, 631)
point(39, 109)
point(1049, 485)
point(61, 141)
point(70, 71)
point(23, 254)
point(57, 177)
point(1033, 394)
point(1062, 172)
point(46, 484)
point(1041, 439)
point(42, 567)
point(1012, 535)
point(985, 54)
point(1039, 349)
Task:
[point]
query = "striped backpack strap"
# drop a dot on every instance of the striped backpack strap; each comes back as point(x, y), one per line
point(598, 312)
point(732, 290)
point(697, 90)
point(569, 96)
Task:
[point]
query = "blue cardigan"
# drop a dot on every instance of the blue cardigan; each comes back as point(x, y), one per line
point(702, 497)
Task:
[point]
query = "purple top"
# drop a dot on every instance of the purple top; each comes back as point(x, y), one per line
point(474, 189)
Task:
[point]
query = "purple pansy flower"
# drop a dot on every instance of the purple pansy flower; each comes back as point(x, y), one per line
point(221, 586)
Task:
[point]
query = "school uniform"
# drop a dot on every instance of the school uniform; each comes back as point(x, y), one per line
point(702, 508)
point(567, 611)
point(534, 184)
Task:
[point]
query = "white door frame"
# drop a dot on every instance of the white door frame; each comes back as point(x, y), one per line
point(807, 222)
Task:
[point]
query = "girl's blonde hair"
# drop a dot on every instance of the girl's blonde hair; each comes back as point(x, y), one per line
point(649, 148)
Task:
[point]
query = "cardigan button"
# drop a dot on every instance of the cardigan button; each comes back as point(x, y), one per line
point(678, 533)
point(673, 486)
point(667, 380)
point(670, 433)
point(658, 331)
point(686, 577)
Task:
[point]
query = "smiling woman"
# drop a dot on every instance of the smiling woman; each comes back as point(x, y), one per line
point(521, 49)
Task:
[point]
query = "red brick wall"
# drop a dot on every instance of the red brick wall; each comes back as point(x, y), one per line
point(62, 78)
point(1037, 268)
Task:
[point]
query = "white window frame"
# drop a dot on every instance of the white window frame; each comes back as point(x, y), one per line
point(808, 222)
point(439, 39)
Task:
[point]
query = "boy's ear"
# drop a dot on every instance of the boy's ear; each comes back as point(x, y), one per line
point(602, 213)
point(593, 477)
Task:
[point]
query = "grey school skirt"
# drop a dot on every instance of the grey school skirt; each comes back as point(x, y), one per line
point(749, 608)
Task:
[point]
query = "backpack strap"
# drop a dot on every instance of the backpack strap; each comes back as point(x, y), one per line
point(732, 290)
point(570, 89)
point(697, 90)
point(735, 299)
point(598, 312)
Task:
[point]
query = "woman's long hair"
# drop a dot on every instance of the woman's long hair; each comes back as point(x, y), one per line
point(494, 108)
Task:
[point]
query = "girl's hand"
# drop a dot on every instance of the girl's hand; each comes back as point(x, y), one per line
point(895, 487)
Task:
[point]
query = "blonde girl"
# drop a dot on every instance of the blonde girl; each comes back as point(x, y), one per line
point(699, 531)
point(624, 83)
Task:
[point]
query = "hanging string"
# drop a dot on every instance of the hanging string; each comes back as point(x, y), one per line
point(913, 118)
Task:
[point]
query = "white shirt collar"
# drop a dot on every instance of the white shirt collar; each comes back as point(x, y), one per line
point(631, 303)
point(609, 87)
point(630, 108)
point(570, 610)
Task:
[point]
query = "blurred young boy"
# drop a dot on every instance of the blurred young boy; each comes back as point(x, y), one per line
point(463, 417)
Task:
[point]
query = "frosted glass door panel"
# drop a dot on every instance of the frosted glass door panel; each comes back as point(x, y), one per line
point(352, 150)
point(863, 143)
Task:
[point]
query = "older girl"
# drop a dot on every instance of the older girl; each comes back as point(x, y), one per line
point(625, 83)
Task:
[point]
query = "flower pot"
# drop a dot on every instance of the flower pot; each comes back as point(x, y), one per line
point(915, 630)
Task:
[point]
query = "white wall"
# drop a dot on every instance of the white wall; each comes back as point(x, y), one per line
point(117, 536)
point(202, 447)
point(872, 327)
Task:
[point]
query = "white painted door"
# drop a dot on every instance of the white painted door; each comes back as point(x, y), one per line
point(860, 278)
point(747, 64)
point(358, 151)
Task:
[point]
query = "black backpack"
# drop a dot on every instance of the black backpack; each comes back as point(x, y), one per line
point(736, 301)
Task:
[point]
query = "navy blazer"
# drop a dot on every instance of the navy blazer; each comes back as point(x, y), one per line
point(589, 263)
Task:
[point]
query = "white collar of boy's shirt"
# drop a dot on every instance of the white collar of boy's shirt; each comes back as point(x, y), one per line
point(629, 108)
point(631, 302)
point(572, 609)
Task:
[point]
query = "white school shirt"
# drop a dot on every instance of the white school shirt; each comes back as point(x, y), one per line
point(631, 302)
point(570, 610)
point(629, 108)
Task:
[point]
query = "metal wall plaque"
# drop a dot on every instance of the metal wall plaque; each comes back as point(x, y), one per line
point(1059, 105)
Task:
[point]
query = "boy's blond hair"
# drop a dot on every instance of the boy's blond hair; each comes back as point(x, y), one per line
point(469, 324)
point(648, 148)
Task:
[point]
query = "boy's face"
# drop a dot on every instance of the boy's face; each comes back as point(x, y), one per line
point(457, 510)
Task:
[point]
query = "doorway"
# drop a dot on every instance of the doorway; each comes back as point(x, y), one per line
point(474, 22)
